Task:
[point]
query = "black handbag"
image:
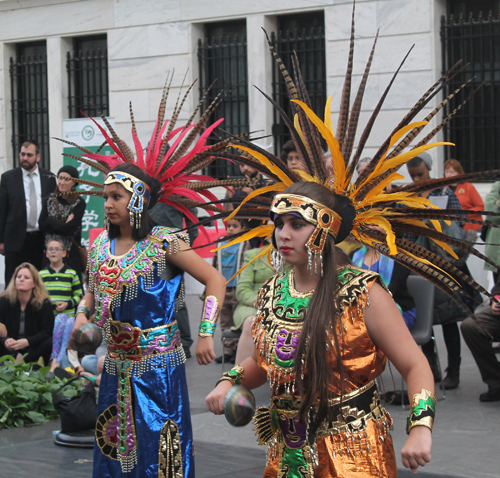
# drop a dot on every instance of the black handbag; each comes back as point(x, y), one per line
point(77, 413)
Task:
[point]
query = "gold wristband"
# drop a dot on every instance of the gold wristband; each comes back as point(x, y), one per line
point(423, 410)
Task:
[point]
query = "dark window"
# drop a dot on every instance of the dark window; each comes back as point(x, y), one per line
point(473, 7)
point(29, 99)
point(222, 58)
point(475, 129)
point(303, 33)
point(87, 68)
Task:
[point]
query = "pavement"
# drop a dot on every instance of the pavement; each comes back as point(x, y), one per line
point(466, 437)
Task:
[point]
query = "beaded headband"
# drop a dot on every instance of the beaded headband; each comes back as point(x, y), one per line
point(140, 191)
point(325, 220)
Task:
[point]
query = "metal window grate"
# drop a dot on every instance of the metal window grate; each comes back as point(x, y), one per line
point(224, 59)
point(475, 130)
point(29, 104)
point(309, 44)
point(88, 82)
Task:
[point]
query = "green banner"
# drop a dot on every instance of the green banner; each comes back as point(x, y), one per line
point(84, 132)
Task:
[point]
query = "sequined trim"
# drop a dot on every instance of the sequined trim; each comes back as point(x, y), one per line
point(170, 454)
point(291, 288)
point(111, 276)
point(287, 437)
point(106, 432)
point(143, 350)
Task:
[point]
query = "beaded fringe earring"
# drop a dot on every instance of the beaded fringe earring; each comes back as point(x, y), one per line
point(276, 260)
point(313, 258)
point(135, 219)
point(106, 222)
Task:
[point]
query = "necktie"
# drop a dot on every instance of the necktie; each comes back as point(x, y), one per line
point(33, 209)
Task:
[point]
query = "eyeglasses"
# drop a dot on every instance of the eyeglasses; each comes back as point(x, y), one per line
point(54, 249)
point(28, 155)
point(65, 178)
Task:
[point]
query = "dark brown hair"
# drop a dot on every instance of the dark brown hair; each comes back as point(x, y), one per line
point(319, 322)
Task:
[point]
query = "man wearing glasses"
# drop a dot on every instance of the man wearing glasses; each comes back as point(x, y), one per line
point(21, 193)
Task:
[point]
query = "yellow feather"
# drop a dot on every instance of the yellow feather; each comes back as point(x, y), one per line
point(296, 123)
point(307, 176)
point(375, 218)
point(333, 145)
point(381, 186)
point(257, 192)
point(260, 157)
point(260, 231)
point(397, 135)
point(265, 250)
point(405, 157)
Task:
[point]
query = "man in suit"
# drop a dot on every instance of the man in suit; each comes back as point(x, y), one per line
point(21, 193)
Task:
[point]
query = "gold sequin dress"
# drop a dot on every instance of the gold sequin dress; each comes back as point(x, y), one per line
point(358, 442)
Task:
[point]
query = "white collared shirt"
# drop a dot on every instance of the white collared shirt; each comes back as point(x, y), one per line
point(38, 189)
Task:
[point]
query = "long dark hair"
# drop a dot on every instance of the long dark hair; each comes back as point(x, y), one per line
point(147, 222)
point(319, 322)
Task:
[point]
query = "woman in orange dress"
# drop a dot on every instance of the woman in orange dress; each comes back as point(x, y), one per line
point(321, 341)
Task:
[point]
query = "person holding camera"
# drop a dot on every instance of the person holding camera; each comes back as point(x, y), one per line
point(479, 335)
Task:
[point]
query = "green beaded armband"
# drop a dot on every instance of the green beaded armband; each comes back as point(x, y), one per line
point(235, 376)
point(423, 410)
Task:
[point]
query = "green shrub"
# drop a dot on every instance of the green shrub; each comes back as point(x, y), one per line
point(26, 395)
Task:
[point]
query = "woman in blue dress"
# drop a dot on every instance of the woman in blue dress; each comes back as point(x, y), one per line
point(144, 426)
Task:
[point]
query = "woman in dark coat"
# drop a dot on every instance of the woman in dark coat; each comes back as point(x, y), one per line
point(62, 216)
point(27, 317)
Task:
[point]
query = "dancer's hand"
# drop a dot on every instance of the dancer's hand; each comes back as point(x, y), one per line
point(216, 398)
point(205, 350)
point(417, 449)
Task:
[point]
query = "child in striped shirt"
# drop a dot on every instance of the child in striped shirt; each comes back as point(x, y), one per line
point(65, 290)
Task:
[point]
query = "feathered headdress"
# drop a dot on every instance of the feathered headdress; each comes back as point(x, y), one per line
point(172, 156)
point(365, 201)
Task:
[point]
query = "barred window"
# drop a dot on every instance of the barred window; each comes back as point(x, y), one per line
point(87, 68)
point(472, 33)
point(303, 33)
point(29, 99)
point(222, 57)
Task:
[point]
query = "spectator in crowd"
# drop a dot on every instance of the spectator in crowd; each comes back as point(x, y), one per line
point(394, 277)
point(26, 312)
point(446, 312)
point(478, 334)
point(82, 360)
point(169, 216)
point(21, 192)
point(291, 157)
point(65, 290)
point(228, 261)
point(493, 235)
point(62, 216)
point(251, 280)
point(466, 193)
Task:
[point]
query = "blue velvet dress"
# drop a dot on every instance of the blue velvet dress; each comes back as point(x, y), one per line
point(144, 425)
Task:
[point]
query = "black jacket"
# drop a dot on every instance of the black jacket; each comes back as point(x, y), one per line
point(38, 324)
point(53, 225)
point(13, 220)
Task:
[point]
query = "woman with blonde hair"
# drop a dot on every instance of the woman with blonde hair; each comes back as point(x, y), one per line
point(26, 313)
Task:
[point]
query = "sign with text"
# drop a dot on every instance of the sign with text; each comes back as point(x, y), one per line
point(84, 132)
